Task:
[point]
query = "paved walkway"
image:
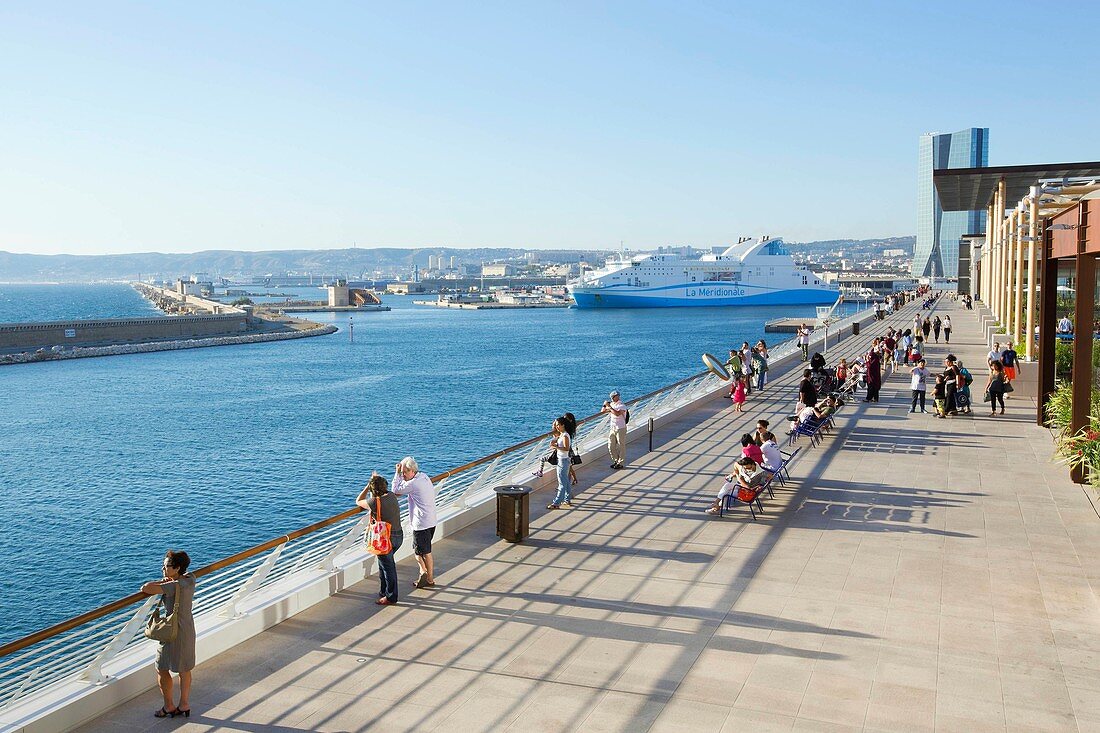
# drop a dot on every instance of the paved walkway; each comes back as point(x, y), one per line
point(917, 575)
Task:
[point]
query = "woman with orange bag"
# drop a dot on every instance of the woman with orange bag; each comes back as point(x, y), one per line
point(383, 506)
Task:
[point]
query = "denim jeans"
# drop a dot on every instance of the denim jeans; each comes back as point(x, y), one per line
point(562, 470)
point(387, 571)
point(760, 380)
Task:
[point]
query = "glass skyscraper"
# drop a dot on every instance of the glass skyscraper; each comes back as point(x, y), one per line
point(938, 232)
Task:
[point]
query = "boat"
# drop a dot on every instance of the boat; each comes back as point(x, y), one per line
point(751, 272)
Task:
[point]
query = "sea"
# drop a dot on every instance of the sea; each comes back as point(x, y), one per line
point(105, 463)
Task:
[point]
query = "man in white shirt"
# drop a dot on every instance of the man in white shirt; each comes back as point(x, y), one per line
point(804, 341)
point(1065, 325)
point(409, 481)
point(994, 353)
point(616, 435)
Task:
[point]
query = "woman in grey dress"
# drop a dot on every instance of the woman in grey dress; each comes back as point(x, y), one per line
point(177, 655)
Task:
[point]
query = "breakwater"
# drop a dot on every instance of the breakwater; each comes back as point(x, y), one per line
point(84, 352)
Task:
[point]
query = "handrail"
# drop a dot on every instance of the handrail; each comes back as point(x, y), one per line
point(116, 605)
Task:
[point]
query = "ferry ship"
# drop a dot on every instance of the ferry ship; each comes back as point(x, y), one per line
point(751, 272)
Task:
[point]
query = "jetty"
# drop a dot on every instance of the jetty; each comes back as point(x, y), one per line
point(912, 574)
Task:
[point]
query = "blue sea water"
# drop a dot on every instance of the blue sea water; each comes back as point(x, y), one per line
point(105, 463)
point(23, 303)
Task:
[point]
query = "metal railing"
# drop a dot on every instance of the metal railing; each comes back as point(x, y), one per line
point(78, 648)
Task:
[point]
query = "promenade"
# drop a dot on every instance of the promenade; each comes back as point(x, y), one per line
point(915, 575)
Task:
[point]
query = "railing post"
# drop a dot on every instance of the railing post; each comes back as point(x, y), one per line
point(94, 671)
point(520, 475)
point(478, 482)
point(229, 610)
point(329, 562)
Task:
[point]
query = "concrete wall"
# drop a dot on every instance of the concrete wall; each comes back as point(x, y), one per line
point(129, 330)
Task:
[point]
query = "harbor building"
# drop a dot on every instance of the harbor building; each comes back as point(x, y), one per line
point(938, 232)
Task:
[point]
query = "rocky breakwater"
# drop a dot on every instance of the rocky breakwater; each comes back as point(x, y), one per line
point(82, 352)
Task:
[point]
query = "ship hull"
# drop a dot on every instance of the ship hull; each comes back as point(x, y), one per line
point(698, 296)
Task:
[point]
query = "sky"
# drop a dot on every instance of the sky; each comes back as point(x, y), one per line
point(177, 127)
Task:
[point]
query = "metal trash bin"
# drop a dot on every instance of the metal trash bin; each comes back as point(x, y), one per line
point(855, 328)
point(513, 511)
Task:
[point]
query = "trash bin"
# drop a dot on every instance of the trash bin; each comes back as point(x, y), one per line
point(513, 511)
point(855, 328)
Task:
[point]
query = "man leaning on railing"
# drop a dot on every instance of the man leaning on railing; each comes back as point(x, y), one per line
point(410, 481)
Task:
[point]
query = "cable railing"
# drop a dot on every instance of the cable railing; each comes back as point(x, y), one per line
point(78, 649)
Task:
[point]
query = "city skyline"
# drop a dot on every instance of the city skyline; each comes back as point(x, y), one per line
point(142, 128)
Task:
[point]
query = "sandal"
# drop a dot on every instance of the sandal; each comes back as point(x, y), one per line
point(166, 713)
point(552, 506)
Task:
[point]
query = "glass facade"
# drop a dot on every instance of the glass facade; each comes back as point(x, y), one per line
point(938, 232)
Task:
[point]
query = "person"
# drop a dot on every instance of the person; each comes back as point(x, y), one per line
point(804, 341)
point(905, 343)
point(821, 412)
point(410, 481)
point(1065, 325)
point(733, 366)
point(761, 429)
point(994, 353)
point(382, 505)
point(773, 457)
point(937, 324)
point(917, 321)
point(739, 394)
point(807, 392)
point(570, 422)
point(916, 351)
point(817, 362)
point(947, 329)
point(919, 379)
point(874, 376)
point(926, 327)
point(890, 345)
point(746, 474)
point(746, 366)
point(1009, 360)
point(995, 386)
point(939, 396)
point(561, 445)
point(952, 378)
point(616, 436)
point(750, 449)
point(760, 364)
point(177, 655)
point(842, 372)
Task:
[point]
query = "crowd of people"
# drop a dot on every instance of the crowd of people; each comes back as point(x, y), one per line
point(821, 392)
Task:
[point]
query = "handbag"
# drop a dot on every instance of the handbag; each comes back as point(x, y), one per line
point(378, 532)
point(987, 396)
point(164, 629)
point(747, 495)
point(552, 457)
point(574, 459)
point(1008, 387)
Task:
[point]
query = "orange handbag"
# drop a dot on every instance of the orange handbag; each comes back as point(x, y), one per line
point(378, 532)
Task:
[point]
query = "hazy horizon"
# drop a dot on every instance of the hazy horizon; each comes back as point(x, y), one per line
point(139, 128)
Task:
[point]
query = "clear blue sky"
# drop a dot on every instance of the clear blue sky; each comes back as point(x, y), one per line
point(256, 125)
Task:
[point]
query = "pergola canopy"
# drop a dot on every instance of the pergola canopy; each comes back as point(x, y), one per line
point(971, 189)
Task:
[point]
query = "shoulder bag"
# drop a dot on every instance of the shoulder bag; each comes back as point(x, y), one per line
point(165, 629)
point(378, 532)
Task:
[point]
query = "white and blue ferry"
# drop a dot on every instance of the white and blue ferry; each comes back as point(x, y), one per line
point(751, 272)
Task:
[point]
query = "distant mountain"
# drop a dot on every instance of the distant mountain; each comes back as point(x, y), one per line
point(229, 263)
point(352, 262)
